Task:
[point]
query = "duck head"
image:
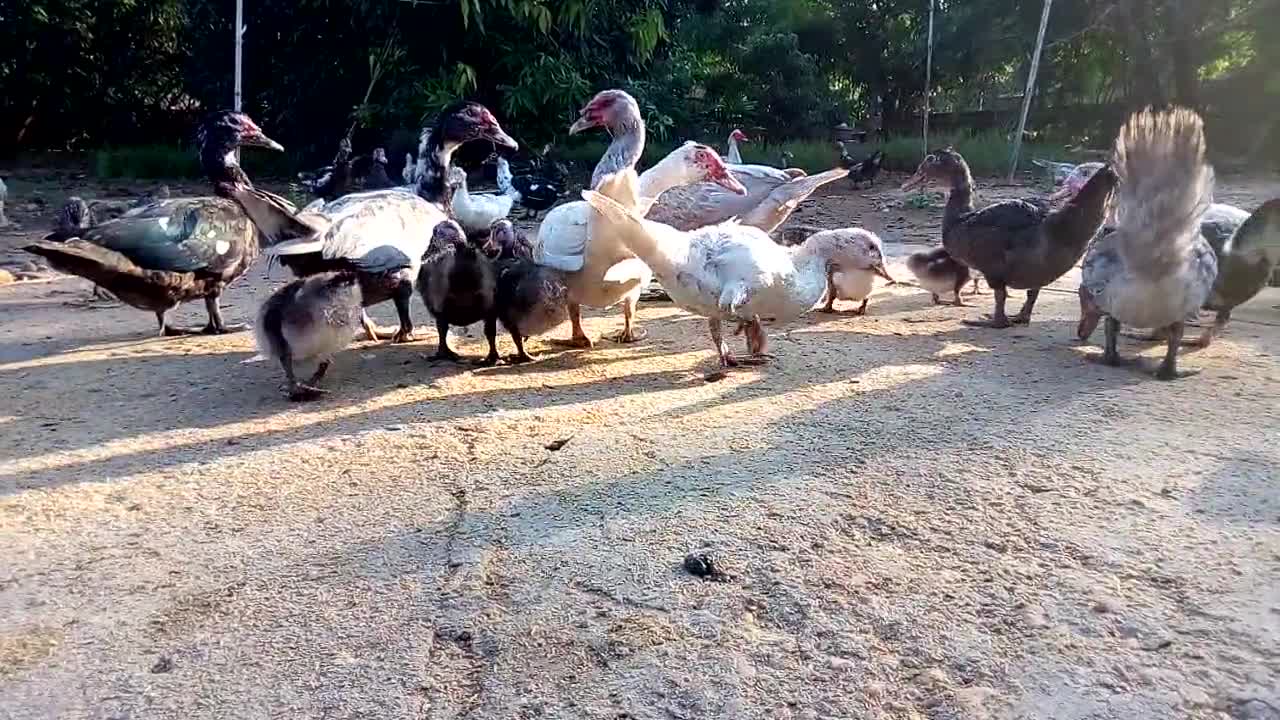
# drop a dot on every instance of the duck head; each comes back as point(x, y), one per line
point(447, 234)
point(380, 155)
point(217, 139)
point(1075, 180)
point(939, 166)
point(505, 243)
point(465, 121)
point(738, 136)
point(703, 164)
point(612, 109)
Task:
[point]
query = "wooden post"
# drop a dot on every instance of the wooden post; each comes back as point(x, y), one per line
point(928, 79)
point(1031, 86)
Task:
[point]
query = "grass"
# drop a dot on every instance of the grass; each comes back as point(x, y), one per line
point(164, 162)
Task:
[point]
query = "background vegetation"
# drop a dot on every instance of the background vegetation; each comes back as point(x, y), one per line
point(103, 74)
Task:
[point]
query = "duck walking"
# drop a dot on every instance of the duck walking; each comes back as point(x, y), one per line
point(310, 318)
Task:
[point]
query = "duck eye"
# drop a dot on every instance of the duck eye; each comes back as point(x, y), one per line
point(931, 158)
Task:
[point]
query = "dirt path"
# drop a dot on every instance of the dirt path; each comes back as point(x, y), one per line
point(923, 520)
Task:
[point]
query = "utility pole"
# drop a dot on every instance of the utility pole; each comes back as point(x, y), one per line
point(1031, 86)
point(235, 105)
point(928, 80)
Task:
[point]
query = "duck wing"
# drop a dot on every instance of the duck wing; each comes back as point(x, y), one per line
point(562, 237)
point(987, 239)
point(376, 231)
point(179, 235)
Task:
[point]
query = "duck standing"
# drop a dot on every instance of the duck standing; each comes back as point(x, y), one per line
point(1155, 268)
point(160, 255)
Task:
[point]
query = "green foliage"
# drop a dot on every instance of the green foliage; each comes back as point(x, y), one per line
point(159, 162)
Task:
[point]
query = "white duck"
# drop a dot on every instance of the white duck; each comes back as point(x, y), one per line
point(855, 281)
point(476, 213)
point(734, 155)
point(600, 271)
point(771, 196)
point(728, 271)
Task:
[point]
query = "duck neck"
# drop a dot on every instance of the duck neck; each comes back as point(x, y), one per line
point(504, 176)
point(960, 199)
point(625, 150)
point(223, 170)
point(434, 186)
point(670, 172)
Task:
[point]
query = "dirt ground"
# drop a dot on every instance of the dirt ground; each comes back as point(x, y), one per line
point(920, 519)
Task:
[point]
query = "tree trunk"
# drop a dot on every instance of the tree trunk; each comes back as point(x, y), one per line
point(1135, 20)
point(1185, 18)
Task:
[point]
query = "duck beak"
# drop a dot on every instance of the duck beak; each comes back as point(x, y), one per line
point(500, 138)
point(915, 181)
point(259, 140)
point(727, 181)
point(583, 123)
point(880, 270)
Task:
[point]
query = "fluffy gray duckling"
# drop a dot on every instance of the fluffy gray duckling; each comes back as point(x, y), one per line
point(940, 274)
point(310, 318)
point(457, 284)
point(530, 299)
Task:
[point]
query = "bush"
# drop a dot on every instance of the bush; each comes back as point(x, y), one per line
point(168, 162)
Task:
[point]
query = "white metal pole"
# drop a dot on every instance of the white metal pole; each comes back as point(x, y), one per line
point(1031, 86)
point(239, 46)
point(928, 79)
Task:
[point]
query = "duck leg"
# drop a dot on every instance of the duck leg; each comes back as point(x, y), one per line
point(722, 347)
point(1169, 368)
point(1110, 353)
point(521, 356)
point(321, 369)
point(1219, 324)
point(862, 309)
point(1024, 315)
point(998, 319)
point(167, 330)
point(442, 346)
point(491, 334)
point(300, 391)
point(757, 342)
point(218, 326)
point(830, 307)
point(578, 339)
point(403, 296)
point(371, 329)
point(630, 333)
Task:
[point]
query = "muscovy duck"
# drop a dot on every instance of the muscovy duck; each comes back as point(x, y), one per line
point(457, 284)
point(533, 193)
point(727, 271)
point(855, 279)
point(377, 177)
point(600, 271)
point(310, 318)
point(734, 155)
point(477, 213)
point(939, 273)
point(384, 234)
point(170, 251)
point(333, 181)
point(1013, 243)
point(1154, 268)
point(530, 299)
point(866, 170)
point(1246, 262)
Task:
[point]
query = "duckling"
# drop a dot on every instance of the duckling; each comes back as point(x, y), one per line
point(312, 317)
point(531, 299)
point(940, 274)
point(377, 178)
point(457, 285)
point(1245, 264)
point(853, 281)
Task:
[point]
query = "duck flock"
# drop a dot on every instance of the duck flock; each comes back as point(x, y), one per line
point(1155, 248)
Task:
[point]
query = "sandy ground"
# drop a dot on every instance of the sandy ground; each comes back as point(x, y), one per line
point(922, 520)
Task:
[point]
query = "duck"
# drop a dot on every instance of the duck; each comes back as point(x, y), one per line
point(407, 172)
point(1154, 268)
point(866, 170)
point(377, 177)
point(734, 155)
point(600, 271)
point(533, 193)
point(530, 299)
point(1058, 171)
point(477, 213)
point(332, 181)
point(729, 271)
point(457, 284)
point(311, 318)
point(770, 198)
point(1014, 243)
point(1246, 262)
point(171, 251)
point(939, 273)
point(855, 279)
point(384, 234)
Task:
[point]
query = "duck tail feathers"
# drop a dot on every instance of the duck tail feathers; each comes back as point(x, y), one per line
point(1165, 186)
point(84, 259)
